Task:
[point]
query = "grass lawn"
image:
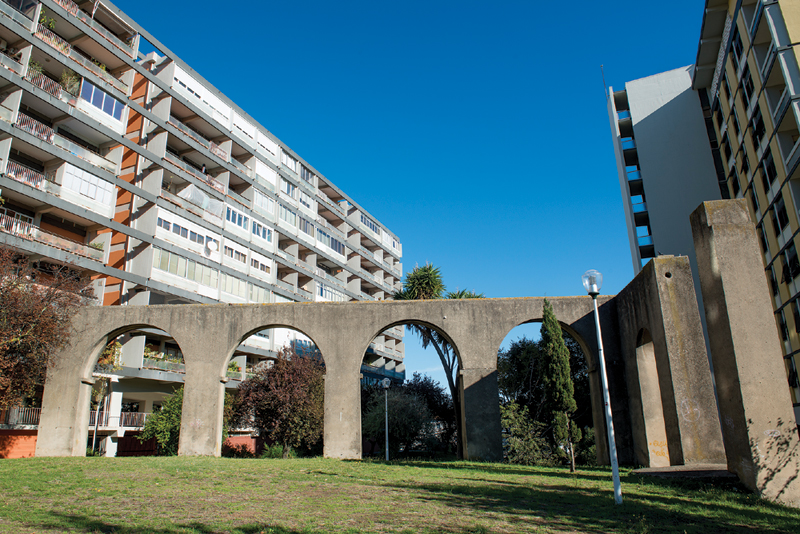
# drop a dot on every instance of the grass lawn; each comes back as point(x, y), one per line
point(216, 495)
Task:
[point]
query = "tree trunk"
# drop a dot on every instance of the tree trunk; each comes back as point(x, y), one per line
point(450, 370)
point(571, 447)
point(286, 450)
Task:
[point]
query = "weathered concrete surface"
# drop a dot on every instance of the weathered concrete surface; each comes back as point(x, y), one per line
point(673, 410)
point(760, 433)
point(208, 336)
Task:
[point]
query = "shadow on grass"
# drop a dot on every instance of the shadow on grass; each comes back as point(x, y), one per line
point(79, 523)
point(694, 509)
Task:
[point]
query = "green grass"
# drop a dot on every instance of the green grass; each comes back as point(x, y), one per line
point(216, 495)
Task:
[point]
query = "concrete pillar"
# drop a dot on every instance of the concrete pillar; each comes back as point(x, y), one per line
point(758, 424)
point(480, 414)
point(342, 424)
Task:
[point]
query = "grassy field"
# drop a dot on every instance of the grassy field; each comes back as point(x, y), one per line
point(216, 495)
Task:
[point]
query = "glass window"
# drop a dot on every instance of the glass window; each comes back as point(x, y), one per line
point(101, 100)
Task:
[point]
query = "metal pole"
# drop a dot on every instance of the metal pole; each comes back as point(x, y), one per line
point(386, 420)
point(612, 447)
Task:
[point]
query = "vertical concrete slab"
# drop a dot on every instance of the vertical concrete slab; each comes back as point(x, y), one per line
point(342, 420)
point(673, 410)
point(758, 425)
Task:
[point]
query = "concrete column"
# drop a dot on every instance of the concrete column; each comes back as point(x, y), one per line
point(342, 424)
point(480, 414)
point(758, 424)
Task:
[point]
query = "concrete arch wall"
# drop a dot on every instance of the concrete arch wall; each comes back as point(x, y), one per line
point(661, 300)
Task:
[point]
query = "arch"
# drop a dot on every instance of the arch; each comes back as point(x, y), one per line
point(656, 446)
point(254, 330)
point(595, 387)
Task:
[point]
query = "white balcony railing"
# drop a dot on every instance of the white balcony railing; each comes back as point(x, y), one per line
point(19, 415)
point(213, 182)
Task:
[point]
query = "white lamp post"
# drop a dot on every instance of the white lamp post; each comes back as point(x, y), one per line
point(386, 383)
point(592, 281)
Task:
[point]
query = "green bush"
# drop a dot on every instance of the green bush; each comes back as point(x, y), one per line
point(276, 451)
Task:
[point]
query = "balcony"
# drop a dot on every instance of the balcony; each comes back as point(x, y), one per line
point(46, 84)
point(12, 13)
point(30, 232)
point(17, 415)
point(213, 182)
point(11, 63)
point(48, 135)
point(197, 136)
point(59, 44)
point(123, 420)
point(26, 175)
point(163, 365)
point(247, 171)
point(73, 9)
point(326, 199)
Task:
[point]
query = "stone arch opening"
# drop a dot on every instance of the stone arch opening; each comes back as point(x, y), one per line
point(124, 378)
point(657, 449)
point(586, 379)
point(257, 351)
point(436, 426)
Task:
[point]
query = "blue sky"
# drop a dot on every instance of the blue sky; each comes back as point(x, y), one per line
point(476, 131)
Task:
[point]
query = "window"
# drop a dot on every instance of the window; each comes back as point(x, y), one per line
point(288, 188)
point(369, 223)
point(758, 128)
point(330, 242)
point(88, 185)
point(773, 282)
point(331, 294)
point(747, 86)
point(735, 120)
point(237, 218)
point(306, 175)
point(306, 226)
point(754, 199)
point(770, 172)
point(259, 294)
point(260, 200)
point(780, 217)
point(305, 200)
point(262, 231)
point(289, 161)
point(287, 215)
point(796, 314)
point(184, 268)
point(734, 179)
point(234, 286)
point(257, 265)
point(762, 238)
point(102, 100)
point(181, 231)
point(791, 265)
point(727, 87)
point(737, 48)
point(235, 254)
point(726, 147)
point(782, 324)
point(163, 224)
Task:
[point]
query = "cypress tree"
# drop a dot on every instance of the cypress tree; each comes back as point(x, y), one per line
point(559, 393)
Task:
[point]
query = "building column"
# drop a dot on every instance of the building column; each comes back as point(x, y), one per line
point(758, 425)
point(480, 414)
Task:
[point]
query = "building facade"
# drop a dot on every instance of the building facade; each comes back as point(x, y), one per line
point(747, 83)
point(119, 160)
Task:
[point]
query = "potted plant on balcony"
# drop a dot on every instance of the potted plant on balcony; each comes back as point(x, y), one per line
point(71, 82)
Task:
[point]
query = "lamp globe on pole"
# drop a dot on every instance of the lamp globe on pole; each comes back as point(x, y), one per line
point(592, 281)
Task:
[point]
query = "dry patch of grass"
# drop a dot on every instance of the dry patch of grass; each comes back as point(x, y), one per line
point(219, 495)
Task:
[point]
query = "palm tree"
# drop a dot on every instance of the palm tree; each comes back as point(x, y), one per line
point(425, 283)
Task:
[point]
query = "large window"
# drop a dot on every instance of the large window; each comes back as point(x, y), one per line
point(331, 242)
point(289, 161)
point(305, 200)
point(262, 201)
point(758, 130)
point(369, 223)
point(234, 286)
point(88, 185)
point(306, 226)
point(185, 268)
point(287, 215)
point(288, 188)
point(747, 86)
point(306, 175)
point(102, 100)
point(262, 231)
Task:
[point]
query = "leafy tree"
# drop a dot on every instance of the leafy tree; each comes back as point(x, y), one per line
point(409, 418)
point(558, 402)
point(425, 283)
point(37, 302)
point(523, 439)
point(165, 424)
point(440, 406)
point(108, 362)
point(285, 402)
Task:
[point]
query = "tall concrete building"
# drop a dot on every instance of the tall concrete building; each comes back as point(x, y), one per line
point(119, 160)
point(745, 88)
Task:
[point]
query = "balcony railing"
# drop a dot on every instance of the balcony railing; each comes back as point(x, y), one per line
point(132, 419)
point(53, 40)
point(43, 82)
point(213, 182)
point(241, 166)
point(102, 422)
point(73, 9)
point(35, 128)
point(14, 14)
point(163, 365)
point(326, 199)
point(26, 230)
point(10, 63)
point(18, 415)
point(85, 154)
point(26, 175)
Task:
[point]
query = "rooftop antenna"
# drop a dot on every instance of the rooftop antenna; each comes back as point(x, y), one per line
point(605, 87)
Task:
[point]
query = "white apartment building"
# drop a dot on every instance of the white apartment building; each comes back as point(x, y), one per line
point(133, 167)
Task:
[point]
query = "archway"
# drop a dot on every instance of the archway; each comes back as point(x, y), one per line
point(520, 381)
point(270, 357)
point(423, 418)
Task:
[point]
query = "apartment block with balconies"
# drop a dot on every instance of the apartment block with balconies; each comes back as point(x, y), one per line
point(118, 159)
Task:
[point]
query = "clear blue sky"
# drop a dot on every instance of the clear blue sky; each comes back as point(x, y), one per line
point(476, 131)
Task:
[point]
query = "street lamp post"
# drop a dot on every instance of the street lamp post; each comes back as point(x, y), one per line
point(592, 280)
point(386, 383)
